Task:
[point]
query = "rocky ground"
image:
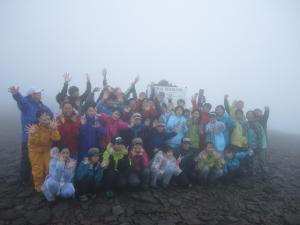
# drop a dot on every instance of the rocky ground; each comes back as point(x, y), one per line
point(273, 200)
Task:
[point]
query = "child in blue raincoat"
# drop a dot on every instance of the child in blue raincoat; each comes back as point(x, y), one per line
point(224, 117)
point(61, 172)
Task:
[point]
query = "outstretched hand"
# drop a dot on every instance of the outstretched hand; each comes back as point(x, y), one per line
point(30, 129)
point(104, 72)
point(53, 124)
point(88, 78)
point(13, 90)
point(137, 78)
point(67, 77)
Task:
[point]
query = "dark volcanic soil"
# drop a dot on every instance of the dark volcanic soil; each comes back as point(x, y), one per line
point(274, 200)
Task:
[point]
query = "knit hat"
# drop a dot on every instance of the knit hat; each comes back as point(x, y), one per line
point(93, 152)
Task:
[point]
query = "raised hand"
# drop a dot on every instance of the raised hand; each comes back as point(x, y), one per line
point(13, 90)
point(67, 77)
point(31, 129)
point(104, 164)
point(83, 120)
point(53, 125)
point(104, 72)
point(88, 78)
point(137, 78)
point(267, 108)
point(226, 96)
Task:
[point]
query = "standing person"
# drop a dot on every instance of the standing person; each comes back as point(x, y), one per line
point(224, 117)
point(61, 172)
point(236, 105)
point(89, 175)
point(262, 118)
point(40, 140)
point(139, 174)
point(239, 140)
point(74, 96)
point(92, 132)
point(177, 119)
point(28, 106)
point(194, 129)
point(68, 123)
point(257, 141)
point(214, 133)
point(204, 120)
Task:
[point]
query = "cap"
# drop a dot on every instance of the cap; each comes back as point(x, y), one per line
point(33, 90)
point(93, 152)
point(186, 140)
point(137, 141)
point(117, 140)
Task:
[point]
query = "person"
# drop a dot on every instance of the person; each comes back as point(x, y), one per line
point(28, 106)
point(236, 105)
point(239, 140)
point(177, 119)
point(61, 172)
point(74, 96)
point(89, 174)
point(139, 175)
point(40, 140)
point(92, 132)
point(208, 165)
point(204, 119)
point(68, 123)
point(164, 166)
point(224, 117)
point(181, 102)
point(116, 164)
point(113, 124)
point(194, 129)
point(157, 138)
point(257, 141)
point(233, 161)
point(214, 133)
point(262, 118)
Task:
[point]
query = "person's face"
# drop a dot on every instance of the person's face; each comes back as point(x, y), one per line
point(250, 116)
point(110, 102)
point(145, 103)
point(65, 153)
point(91, 112)
point(132, 104)
point(196, 115)
point(228, 155)
point(44, 119)
point(142, 96)
point(160, 129)
point(186, 145)
point(67, 110)
point(94, 159)
point(169, 154)
point(239, 116)
point(210, 148)
point(115, 115)
point(206, 109)
point(151, 103)
point(36, 97)
point(179, 112)
point(160, 97)
point(117, 147)
point(219, 111)
point(258, 113)
point(137, 148)
point(240, 105)
point(75, 94)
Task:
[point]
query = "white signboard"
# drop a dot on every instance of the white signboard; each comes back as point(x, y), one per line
point(172, 92)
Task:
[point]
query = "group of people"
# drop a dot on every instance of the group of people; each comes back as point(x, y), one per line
point(123, 140)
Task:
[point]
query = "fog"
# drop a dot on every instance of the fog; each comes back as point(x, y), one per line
point(247, 49)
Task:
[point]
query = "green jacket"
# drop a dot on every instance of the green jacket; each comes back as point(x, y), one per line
point(117, 155)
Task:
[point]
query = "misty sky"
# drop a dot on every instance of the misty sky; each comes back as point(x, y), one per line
point(247, 49)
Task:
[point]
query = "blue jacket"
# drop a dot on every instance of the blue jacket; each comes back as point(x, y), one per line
point(234, 164)
point(257, 138)
point(216, 136)
point(90, 136)
point(229, 125)
point(86, 169)
point(28, 110)
point(171, 124)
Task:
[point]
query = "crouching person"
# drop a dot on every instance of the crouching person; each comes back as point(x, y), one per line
point(116, 164)
point(233, 162)
point(61, 172)
point(209, 165)
point(89, 175)
point(164, 167)
point(139, 175)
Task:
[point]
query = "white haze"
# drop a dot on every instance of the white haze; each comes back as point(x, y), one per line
point(248, 49)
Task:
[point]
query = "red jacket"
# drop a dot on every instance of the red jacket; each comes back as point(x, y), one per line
point(69, 132)
point(137, 159)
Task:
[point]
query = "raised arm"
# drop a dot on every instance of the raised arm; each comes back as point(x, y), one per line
point(64, 91)
point(88, 90)
point(21, 101)
point(226, 104)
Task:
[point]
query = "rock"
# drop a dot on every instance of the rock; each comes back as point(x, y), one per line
point(6, 204)
point(292, 219)
point(175, 202)
point(117, 210)
point(40, 217)
point(20, 221)
point(232, 219)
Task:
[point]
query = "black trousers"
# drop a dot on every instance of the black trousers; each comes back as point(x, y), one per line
point(25, 167)
point(137, 178)
point(115, 179)
point(86, 186)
